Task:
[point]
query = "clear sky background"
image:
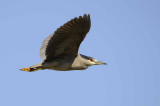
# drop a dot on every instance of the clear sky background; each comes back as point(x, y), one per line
point(124, 33)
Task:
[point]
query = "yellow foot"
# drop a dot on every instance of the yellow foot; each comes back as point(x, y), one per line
point(30, 69)
point(26, 69)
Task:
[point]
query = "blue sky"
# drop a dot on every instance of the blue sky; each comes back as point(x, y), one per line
point(124, 33)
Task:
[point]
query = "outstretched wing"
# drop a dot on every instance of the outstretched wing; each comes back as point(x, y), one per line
point(65, 41)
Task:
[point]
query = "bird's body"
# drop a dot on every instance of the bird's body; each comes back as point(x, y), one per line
point(59, 51)
point(64, 64)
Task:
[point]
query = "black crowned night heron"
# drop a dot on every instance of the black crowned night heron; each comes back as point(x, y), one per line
point(60, 50)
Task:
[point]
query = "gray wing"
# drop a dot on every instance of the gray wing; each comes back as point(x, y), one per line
point(65, 41)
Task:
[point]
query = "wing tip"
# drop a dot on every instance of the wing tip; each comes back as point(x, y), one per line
point(86, 16)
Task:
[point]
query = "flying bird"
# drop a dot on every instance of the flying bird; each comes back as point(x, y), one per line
point(59, 51)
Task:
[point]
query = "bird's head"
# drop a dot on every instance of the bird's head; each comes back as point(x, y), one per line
point(91, 61)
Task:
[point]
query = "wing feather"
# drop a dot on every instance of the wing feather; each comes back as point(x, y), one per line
point(65, 41)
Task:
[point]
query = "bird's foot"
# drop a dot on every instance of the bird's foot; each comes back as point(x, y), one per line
point(30, 69)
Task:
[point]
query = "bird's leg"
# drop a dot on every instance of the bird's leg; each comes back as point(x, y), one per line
point(35, 67)
point(31, 69)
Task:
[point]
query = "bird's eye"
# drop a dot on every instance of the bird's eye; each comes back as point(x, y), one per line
point(91, 59)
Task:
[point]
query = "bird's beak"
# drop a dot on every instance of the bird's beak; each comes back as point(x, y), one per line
point(99, 63)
